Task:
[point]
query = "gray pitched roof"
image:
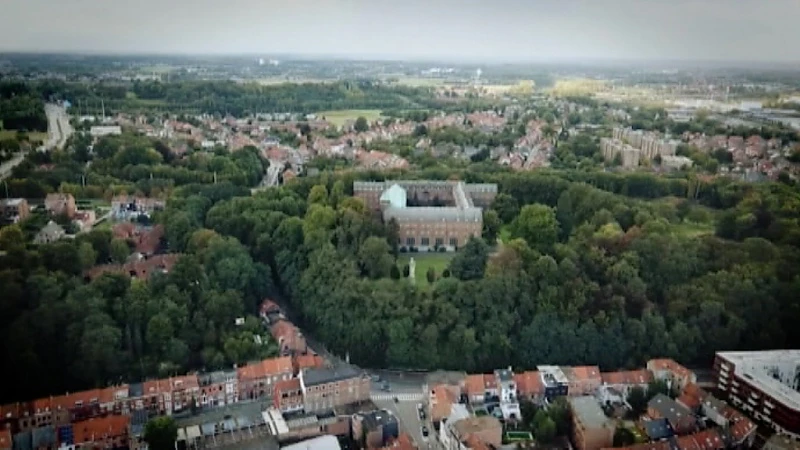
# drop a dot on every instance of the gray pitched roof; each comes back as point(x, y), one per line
point(669, 408)
point(312, 377)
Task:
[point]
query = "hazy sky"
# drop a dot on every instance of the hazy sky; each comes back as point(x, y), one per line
point(510, 30)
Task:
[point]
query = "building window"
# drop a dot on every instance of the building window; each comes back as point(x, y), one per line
point(410, 241)
point(453, 242)
point(439, 242)
point(425, 242)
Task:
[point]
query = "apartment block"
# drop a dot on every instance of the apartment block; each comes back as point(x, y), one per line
point(591, 429)
point(764, 385)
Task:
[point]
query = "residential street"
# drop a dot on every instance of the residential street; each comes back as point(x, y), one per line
point(58, 127)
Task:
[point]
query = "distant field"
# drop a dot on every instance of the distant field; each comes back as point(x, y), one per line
point(157, 69)
point(424, 261)
point(339, 117)
point(421, 82)
point(33, 135)
point(271, 81)
point(693, 229)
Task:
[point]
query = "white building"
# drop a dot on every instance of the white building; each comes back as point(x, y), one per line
point(105, 130)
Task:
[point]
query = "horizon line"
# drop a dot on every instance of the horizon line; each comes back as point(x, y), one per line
point(294, 56)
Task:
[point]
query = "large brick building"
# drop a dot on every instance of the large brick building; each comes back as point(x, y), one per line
point(764, 384)
point(328, 388)
point(430, 214)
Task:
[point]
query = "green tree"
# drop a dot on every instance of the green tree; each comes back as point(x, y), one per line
point(11, 237)
point(623, 437)
point(394, 272)
point(160, 433)
point(491, 225)
point(637, 399)
point(374, 257)
point(536, 224)
point(87, 255)
point(470, 262)
point(361, 124)
point(119, 250)
point(506, 206)
point(544, 428)
point(318, 195)
point(430, 275)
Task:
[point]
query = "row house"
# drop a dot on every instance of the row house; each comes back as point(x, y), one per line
point(290, 339)
point(670, 371)
point(308, 361)
point(479, 387)
point(679, 417)
point(173, 394)
point(102, 433)
point(287, 396)
point(218, 388)
point(530, 386)
point(441, 399)
point(583, 380)
point(624, 381)
point(257, 380)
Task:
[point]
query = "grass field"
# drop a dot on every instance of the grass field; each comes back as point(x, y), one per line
point(32, 135)
point(424, 261)
point(513, 436)
point(693, 229)
point(339, 117)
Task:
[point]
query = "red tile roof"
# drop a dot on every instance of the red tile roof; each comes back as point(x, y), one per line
point(442, 399)
point(627, 377)
point(529, 383)
point(692, 396)
point(479, 383)
point(268, 306)
point(669, 365)
point(100, 428)
point(308, 362)
point(265, 368)
point(583, 373)
point(403, 442)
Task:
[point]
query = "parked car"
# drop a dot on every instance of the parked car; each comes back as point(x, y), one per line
point(425, 431)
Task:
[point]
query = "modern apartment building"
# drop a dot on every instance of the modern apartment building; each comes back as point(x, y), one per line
point(430, 214)
point(591, 429)
point(764, 384)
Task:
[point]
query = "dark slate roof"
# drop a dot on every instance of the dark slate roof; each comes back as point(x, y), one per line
point(135, 390)
point(374, 419)
point(669, 408)
point(658, 429)
point(313, 377)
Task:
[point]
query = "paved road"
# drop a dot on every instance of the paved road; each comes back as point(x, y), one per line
point(408, 418)
point(8, 166)
point(58, 127)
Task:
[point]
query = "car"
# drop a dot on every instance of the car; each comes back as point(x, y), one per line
point(396, 400)
point(386, 387)
point(425, 431)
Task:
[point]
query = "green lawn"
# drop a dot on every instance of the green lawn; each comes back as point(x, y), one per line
point(693, 229)
point(514, 436)
point(505, 234)
point(32, 135)
point(340, 116)
point(424, 261)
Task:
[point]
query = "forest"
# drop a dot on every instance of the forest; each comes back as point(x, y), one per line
point(21, 107)
point(237, 99)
